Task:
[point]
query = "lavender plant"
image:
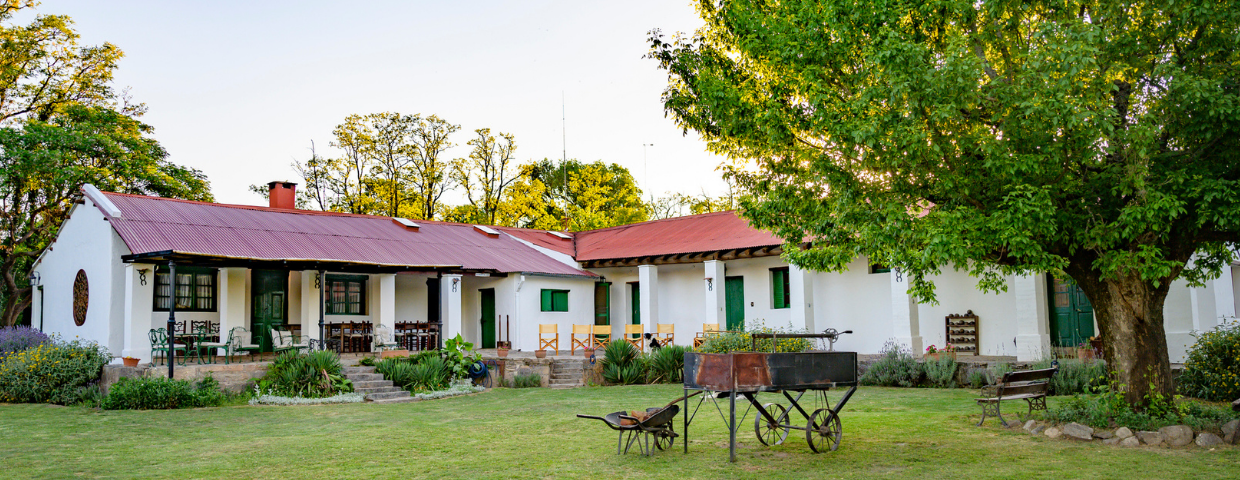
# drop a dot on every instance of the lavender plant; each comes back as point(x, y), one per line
point(16, 339)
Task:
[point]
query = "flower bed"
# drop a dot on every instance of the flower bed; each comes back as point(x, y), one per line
point(269, 399)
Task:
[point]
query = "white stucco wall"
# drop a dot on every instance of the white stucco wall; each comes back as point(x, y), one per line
point(86, 242)
point(526, 304)
point(854, 300)
point(957, 293)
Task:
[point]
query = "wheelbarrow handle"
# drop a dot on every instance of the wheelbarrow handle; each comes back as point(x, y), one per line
point(591, 417)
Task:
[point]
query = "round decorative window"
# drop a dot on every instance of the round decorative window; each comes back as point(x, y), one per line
point(81, 297)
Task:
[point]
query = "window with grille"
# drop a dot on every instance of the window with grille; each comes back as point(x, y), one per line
point(780, 288)
point(346, 294)
point(195, 289)
point(554, 300)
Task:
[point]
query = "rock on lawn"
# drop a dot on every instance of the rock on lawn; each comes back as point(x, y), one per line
point(1123, 432)
point(1078, 431)
point(1150, 438)
point(1206, 439)
point(1177, 435)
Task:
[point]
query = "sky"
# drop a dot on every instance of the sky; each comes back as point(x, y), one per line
point(240, 89)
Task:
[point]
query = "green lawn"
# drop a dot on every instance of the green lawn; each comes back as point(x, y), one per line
point(532, 433)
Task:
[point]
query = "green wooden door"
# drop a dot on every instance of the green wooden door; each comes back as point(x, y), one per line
point(637, 303)
point(488, 317)
point(1073, 321)
point(269, 305)
point(602, 303)
point(734, 297)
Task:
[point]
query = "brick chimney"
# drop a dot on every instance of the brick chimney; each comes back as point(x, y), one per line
point(282, 194)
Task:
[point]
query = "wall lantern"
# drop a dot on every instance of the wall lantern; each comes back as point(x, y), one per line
point(710, 284)
point(34, 278)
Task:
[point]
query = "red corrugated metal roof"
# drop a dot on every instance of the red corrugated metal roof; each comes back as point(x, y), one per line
point(697, 233)
point(152, 224)
point(542, 238)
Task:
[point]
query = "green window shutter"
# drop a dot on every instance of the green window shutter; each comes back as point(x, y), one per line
point(779, 285)
point(559, 301)
point(546, 300)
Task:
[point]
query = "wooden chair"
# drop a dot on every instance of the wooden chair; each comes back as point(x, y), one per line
point(666, 334)
point(629, 331)
point(553, 342)
point(708, 329)
point(600, 336)
point(584, 343)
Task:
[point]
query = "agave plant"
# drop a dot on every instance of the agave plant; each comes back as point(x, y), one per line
point(622, 365)
point(667, 364)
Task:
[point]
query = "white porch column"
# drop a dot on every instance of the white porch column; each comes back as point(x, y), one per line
point(801, 298)
point(450, 288)
point(138, 308)
point(904, 318)
point(715, 272)
point(231, 300)
point(387, 300)
point(1033, 339)
point(648, 283)
point(1224, 296)
point(310, 303)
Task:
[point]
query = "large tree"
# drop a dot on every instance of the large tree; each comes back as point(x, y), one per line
point(574, 195)
point(1100, 140)
point(485, 175)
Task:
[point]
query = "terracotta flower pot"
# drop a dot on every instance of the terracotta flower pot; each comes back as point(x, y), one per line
point(587, 352)
point(1085, 353)
point(540, 354)
point(131, 362)
point(502, 352)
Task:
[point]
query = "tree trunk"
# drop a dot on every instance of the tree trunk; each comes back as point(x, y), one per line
point(1129, 312)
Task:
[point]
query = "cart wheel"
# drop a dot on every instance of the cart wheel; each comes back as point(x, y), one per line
point(823, 431)
point(664, 439)
point(768, 433)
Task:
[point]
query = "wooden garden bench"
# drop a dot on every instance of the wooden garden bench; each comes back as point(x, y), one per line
point(1028, 385)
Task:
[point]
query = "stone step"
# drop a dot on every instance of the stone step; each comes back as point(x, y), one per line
point(394, 400)
point(557, 376)
point(371, 383)
point(378, 390)
point(386, 395)
point(363, 377)
point(562, 387)
point(352, 370)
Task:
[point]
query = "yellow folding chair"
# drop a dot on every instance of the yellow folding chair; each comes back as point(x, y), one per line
point(629, 331)
point(708, 329)
point(553, 342)
point(666, 334)
point(601, 336)
point(584, 343)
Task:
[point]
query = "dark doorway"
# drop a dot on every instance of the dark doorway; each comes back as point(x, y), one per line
point(1073, 319)
point(734, 297)
point(269, 305)
point(488, 317)
point(602, 303)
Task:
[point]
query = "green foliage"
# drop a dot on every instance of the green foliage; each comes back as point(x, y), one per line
point(459, 355)
point(1212, 370)
point(597, 195)
point(1075, 376)
point(1107, 407)
point(896, 368)
point(529, 380)
point(1099, 139)
point(726, 342)
point(622, 365)
point(667, 364)
point(313, 375)
point(977, 377)
point(941, 373)
point(418, 373)
point(56, 372)
point(367, 361)
point(151, 393)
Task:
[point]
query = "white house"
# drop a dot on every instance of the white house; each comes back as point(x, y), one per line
point(106, 277)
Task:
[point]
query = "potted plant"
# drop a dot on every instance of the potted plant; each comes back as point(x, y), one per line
point(934, 353)
point(587, 352)
point(1085, 351)
point(130, 361)
point(501, 350)
point(540, 353)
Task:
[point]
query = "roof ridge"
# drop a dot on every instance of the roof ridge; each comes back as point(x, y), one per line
point(669, 219)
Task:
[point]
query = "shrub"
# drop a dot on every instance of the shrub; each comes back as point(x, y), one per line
point(416, 373)
point(977, 377)
point(16, 339)
point(941, 373)
point(152, 393)
point(667, 364)
point(1107, 409)
point(1212, 371)
point(528, 380)
point(56, 372)
point(264, 399)
point(1074, 376)
point(743, 342)
point(367, 362)
point(621, 364)
point(896, 367)
point(313, 375)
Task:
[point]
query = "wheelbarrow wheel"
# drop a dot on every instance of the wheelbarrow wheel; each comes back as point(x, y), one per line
point(823, 431)
point(663, 439)
point(771, 434)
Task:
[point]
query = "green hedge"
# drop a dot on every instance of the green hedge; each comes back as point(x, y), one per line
point(158, 393)
point(57, 372)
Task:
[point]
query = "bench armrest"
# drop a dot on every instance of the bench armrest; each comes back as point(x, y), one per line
point(990, 390)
